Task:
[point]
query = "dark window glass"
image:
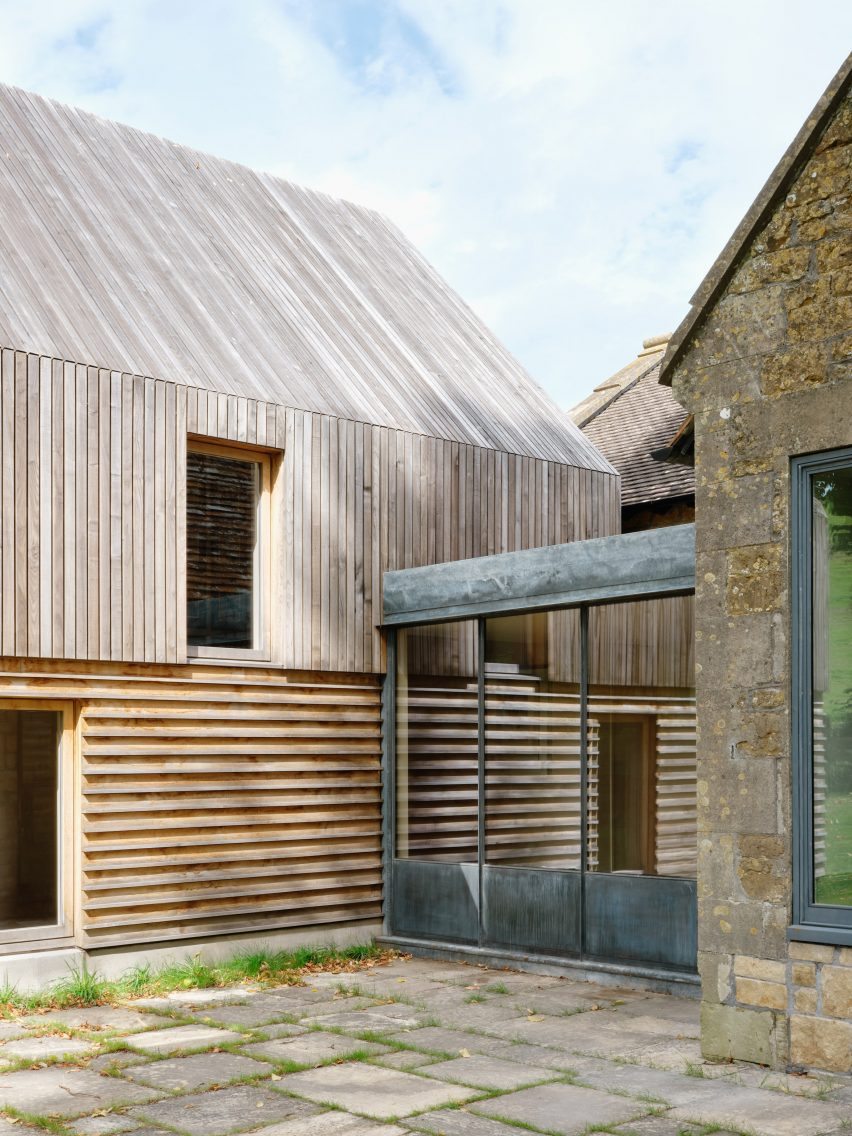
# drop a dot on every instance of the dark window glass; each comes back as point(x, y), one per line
point(532, 740)
point(831, 772)
point(221, 539)
point(436, 743)
point(641, 743)
point(29, 773)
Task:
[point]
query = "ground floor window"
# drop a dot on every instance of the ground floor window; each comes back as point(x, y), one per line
point(822, 687)
point(31, 822)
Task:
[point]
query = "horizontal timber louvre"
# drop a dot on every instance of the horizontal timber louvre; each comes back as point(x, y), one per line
point(229, 803)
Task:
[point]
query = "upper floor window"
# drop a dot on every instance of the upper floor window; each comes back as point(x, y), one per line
point(822, 686)
point(226, 550)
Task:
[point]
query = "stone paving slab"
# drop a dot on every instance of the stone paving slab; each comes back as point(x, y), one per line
point(311, 1048)
point(259, 1012)
point(539, 1055)
point(236, 1109)
point(284, 1029)
point(46, 1048)
point(459, 1122)
point(764, 1113)
point(181, 1037)
point(565, 1109)
point(180, 1074)
point(104, 1125)
point(664, 1126)
point(405, 1059)
point(373, 1090)
point(95, 1019)
point(435, 1039)
point(488, 1072)
point(67, 1092)
point(358, 1021)
point(212, 996)
point(332, 1124)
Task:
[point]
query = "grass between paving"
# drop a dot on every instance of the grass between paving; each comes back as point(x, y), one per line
point(260, 967)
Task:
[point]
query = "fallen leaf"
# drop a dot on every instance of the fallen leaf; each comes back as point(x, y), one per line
point(535, 1018)
point(464, 1053)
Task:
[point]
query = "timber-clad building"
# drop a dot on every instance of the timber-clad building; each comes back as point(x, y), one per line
point(229, 406)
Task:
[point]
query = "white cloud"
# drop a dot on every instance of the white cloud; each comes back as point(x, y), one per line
point(571, 168)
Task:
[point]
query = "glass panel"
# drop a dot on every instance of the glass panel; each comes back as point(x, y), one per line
point(29, 768)
point(642, 781)
point(532, 740)
point(832, 681)
point(436, 743)
point(221, 534)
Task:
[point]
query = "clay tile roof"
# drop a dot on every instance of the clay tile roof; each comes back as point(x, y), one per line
point(629, 417)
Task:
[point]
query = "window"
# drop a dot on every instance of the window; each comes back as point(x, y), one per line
point(822, 696)
point(226, 551)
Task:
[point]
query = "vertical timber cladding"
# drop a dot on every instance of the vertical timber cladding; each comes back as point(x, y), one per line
point(93, 543)
point(216, 800)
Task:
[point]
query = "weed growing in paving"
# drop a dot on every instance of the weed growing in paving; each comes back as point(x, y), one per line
point(82, 987)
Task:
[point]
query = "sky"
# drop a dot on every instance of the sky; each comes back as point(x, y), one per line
point(571, 167)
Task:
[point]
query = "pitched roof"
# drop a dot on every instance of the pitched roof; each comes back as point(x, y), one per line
point(776, 188)
point(629, 417)
point(133, 253)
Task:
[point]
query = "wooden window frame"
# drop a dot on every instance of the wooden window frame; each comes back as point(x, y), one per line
point(51, 935)
point(812, 922)
point(261, 652)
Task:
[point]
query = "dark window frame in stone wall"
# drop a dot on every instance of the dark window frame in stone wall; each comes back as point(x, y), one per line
point(259, 649)
point(812, 921)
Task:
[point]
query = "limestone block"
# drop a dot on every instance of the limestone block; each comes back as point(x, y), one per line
point(770, 267)
point(803, 974)
point(803, 364)
point(734, 1033)
point(715, 972)
point(811, 952)
point(837, 991)
point(753, 992)
point(844, 957)
point(769, 970)
point(764, 867)
point(821, 1043)
point(805, 1001)
point(755, 579)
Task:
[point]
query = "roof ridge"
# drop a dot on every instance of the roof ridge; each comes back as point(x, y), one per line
point(583, 423)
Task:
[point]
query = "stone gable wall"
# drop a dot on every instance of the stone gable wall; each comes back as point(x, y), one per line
point(768, 376)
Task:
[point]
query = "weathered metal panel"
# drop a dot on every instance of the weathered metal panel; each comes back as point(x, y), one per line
point(435, 900)
point(633, 565)
point(642, 918)
point(528, 909)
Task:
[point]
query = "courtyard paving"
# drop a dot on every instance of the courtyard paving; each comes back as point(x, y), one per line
point(411, 1047)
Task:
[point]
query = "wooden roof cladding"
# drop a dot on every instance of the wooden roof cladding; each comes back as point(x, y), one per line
point(138, 255)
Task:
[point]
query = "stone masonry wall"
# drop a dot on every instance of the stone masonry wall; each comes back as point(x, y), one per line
point(768, 375)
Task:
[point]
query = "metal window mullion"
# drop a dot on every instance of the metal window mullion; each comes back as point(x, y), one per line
point(480, 764)
point(389, 777)
point(584, 768)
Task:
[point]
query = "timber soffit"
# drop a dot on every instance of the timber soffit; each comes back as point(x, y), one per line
point(138, 255)
point(629, 566)
point(795, 156)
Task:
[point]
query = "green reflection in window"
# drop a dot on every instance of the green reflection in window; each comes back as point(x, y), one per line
point(832, 681)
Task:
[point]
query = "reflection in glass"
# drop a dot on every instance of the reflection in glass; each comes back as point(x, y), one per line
point(29, 769)
point(221, 536)
point(532, 740)
point(436, 743)
point(832, 681)
point(641, 739)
